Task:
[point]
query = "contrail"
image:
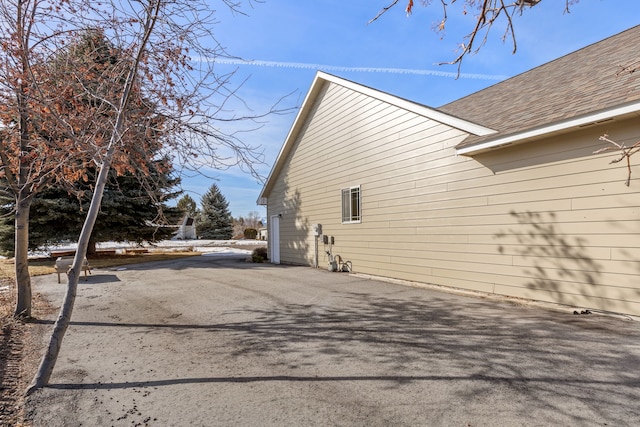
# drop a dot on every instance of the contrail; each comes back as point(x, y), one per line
point(306, 66)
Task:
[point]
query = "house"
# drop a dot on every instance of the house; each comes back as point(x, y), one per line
point(186, 229)
point(498, 192)
point(262, 233)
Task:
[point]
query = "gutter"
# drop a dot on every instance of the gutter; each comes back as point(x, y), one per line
point(520, 137)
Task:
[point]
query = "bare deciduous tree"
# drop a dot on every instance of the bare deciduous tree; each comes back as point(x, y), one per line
point(167, 52)
point(252, 220)
point(37, 147)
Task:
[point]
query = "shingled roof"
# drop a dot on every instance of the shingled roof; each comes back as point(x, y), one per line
point(578, 84)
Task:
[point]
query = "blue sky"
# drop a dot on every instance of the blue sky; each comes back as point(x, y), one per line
point(288, 41)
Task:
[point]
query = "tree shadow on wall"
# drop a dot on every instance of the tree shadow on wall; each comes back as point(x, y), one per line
point(556, 263)
point(294, 228)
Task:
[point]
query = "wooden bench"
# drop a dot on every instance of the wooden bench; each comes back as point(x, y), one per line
point(63, 264)
point(106, 252)
point(62, 252)
point(136, 250)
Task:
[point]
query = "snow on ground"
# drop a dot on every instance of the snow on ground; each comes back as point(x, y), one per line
point(206, 247)
point(209, 247)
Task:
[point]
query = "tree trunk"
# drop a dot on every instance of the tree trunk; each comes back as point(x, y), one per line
point(23, 280)
point(91, 249)
point(23, 205)
point(48, 361)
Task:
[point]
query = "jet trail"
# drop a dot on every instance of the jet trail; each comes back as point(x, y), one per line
point(307, 66)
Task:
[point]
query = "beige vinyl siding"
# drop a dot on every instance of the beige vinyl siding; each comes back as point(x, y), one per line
point(546, 220)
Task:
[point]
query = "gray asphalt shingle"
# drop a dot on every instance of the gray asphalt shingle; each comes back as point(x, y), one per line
point(583, 82)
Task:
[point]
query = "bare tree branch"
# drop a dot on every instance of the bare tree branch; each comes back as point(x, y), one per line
point(487, 13)
point(624, 152)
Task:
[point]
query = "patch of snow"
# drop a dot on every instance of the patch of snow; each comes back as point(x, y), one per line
point(208, 247)
point(208, 243)
point(221, 251)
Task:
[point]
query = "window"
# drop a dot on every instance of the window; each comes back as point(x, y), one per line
point(351, 204)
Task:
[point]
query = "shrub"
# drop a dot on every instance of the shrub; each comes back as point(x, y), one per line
point(259, 255)
point(250, 233)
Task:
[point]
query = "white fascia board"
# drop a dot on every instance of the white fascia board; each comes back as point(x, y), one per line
point(556, 127)
point(317, 84)
point(300, 117)
point(421, 110)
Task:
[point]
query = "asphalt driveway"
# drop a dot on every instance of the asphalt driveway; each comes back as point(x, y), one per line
point(215, 341)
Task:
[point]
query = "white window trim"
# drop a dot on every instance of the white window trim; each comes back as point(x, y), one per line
point(342, 205)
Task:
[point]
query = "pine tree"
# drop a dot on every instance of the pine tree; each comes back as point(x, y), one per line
point(215, 221)
point(131, 211)
point(187, 205)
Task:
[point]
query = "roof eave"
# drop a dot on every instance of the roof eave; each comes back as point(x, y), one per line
point(315, 87)
point(529, 134)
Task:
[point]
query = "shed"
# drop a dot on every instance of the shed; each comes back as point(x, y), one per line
point(186, 229)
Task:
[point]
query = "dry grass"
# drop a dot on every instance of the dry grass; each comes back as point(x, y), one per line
point(20, 352)
point(7, 301)
point(38, 267)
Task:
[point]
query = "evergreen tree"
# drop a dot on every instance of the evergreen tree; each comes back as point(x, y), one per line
point(187, 205)
point(132, 210)
point(215, 221)
point(57, 210)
